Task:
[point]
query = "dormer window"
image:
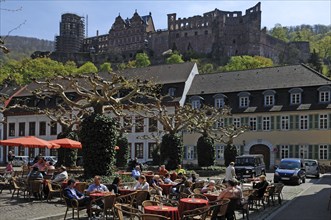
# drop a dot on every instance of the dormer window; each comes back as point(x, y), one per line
point(196, 102)
point(171, 91)
point(219, 100)
point(244, 99)
point(295, 96)
point(269, 97)
point(324, 94)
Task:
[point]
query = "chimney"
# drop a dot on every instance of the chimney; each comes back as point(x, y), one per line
point(97, 32)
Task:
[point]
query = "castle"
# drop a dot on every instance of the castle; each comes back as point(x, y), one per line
point(217, 34)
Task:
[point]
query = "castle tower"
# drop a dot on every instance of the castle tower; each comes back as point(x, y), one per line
point(71, 36)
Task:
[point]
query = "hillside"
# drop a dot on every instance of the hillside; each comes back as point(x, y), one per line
point(23, 47)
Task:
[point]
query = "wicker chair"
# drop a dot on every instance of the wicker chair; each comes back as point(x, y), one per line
point(53, 189)
point(74, 205)
point(198, 196)
point(197, 191)
point(199, 213)
point(278, 192)
point(35, 188)
point(108, 205)
point(125, 209)
point(141, 196)
point(127, 199)
point(149, 203)
point(19, 186)
point(219, 208)
point(166, 201)
point(152, 217)
point(81, 186)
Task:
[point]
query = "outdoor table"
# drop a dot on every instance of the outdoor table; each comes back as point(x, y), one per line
point(101, 194)
point(168, 211)
point(126, 191)
point(166, 188)
point(190, 203)
point(211, 197)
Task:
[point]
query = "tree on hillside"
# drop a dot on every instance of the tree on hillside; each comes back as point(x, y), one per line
point(142, 60)
point(105, 67)
point(315, 62)
point(87, 67)
point(175, 58)
point(246, 62)
point(279, 32)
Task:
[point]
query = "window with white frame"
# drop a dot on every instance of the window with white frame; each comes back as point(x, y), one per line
point(323, 121)
point(171, 91)
point(219, 123)
point(303, 151)
point(219, 102)
point(324, 96)
point(139, 150)
point(219, 152)
point(269, 100)
point(304, 122)
point(323, 152)
point(196, 104)
point(266, 123)
point(285, 122)
point(243, 102)
point(295, 98)
point(284, 151)
point(237, 122)
point(190, 152)
point(253, 123)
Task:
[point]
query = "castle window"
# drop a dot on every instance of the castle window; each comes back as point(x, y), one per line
point(177, 35)
point(196, 33)
point(206, 32)
point(234, 41)
point(185, 34)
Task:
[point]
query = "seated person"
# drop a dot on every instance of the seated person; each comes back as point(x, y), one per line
point(97, 187)
point(141, 184)
point(136, 172)
point(180, 170)
point(59, 178)
point(114, 186)
point(193, 178)
point(9, 169)
point(35, 174)
point(155, 184)
point(41, 165)
point(187, 188)
point(175, 188)
point(163, 171)
point(50, 168)
point(71, 193)
point(260, 187)
point(210, 187)
point(167, 179)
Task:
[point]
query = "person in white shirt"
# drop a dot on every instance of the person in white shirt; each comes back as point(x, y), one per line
point(167, 179)
point(61, 176)
point(230, 172)
point(141, 184)
point(209, 188)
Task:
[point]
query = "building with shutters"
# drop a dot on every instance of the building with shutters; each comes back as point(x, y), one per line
point(287, 109)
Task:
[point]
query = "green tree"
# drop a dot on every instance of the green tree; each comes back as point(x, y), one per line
point(106, 67)
point(87, 67)
point(315, 62)
point(142, 60)
point(279, 32)
point(122, 153)
point(207, 68)
point(175, 58)
point(247, 62)
point(131, 64)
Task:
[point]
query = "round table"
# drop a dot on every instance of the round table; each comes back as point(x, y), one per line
point(126, 191)
point(166, 188)
point(189, 204)
point(101, 194)
point(168, 211)
point(211, 197)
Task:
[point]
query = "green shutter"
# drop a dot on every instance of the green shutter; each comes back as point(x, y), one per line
point(297, 151)
point(195, 153)
point(278, 122)
point(310, 121)
point(259, 123)
point(273, 123)
point(230, 121)
point(297, 122)
point(310, 151)
point(292, 122)
point(185, 152)
point(226, 122)
point(315, 150)
point(278, 152)
point(316, 118)
point(291, 150)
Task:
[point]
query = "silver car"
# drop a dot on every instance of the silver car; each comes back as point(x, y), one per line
point(312, 168)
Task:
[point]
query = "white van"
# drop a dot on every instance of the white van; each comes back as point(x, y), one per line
point(20, 161)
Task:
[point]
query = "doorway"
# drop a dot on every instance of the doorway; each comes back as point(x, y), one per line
point(264, 150)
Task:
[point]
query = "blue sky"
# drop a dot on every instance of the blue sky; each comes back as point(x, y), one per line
point(41, 17)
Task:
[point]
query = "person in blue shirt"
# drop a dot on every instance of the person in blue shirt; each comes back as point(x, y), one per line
point(97, 186)
point(136, 172)
point(71, 193)
point(35, 174)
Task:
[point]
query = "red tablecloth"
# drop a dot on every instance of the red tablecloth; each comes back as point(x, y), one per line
point(189, 204)
point(211, 197)
point(126, 191)
point(94, 195)
point(166, 188)
point(168, 211)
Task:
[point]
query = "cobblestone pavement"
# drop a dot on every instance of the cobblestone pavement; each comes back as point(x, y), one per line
point(20, 209)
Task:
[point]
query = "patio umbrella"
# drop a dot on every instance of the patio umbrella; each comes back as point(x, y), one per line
point(29, 141)
point(67, 143)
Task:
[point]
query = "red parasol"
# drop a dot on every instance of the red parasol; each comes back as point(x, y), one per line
point(67, 143)
point(29, 141)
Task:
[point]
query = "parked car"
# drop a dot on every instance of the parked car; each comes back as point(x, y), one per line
point(290, 170)
point(312, 168)
point(20, 161)
point(249, 166)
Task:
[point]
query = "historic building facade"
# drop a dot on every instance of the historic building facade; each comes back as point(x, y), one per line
point(217, 34)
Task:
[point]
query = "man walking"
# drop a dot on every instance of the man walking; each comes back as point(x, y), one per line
point(230, 172)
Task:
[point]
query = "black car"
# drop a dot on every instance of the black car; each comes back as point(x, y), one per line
point(248, 166)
